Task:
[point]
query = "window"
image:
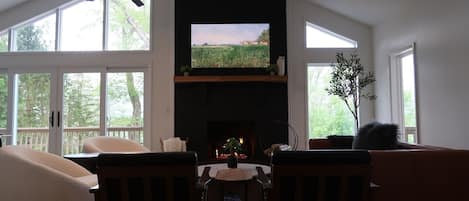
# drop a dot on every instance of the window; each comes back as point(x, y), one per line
point(36, 36)
point(3, 99)
point(4, 42)
point(327, 114)
point(319, 37)
point(82, 26)
point(129, 25)
point(403, 94)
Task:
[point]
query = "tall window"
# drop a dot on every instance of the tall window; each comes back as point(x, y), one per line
point(4, 41)
point(319, 37)
point(129, 26)
point(82, 26)
point(85, 26)
point(36, 36)
point(327, 114)
point(404, 95)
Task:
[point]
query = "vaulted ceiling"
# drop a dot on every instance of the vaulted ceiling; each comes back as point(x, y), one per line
point(7, 4)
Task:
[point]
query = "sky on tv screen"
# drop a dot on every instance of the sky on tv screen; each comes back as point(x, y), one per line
point(230, 45)
point(222, 34)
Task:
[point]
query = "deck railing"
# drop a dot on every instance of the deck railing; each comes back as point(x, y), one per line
point(38, 138)
point(410, 134)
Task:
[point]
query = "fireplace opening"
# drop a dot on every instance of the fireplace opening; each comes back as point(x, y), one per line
point(219, 131)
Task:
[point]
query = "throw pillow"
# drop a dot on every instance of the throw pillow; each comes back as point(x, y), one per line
point(377, 136)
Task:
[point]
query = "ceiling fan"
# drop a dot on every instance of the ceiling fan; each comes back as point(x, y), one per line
point(139, 3)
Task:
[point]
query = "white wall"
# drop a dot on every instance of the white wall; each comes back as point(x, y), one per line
point(299, 11)
point(440, 31)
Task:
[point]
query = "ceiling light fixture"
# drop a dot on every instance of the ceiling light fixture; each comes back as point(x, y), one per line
point(139, 3)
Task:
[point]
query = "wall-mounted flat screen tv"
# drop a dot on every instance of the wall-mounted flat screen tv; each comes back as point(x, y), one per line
point(242, 45)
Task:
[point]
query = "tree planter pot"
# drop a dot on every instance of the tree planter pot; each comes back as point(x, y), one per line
point(232, 162)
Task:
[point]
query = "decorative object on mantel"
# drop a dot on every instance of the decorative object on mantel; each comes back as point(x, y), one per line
point(185, 69)
point(272, 69)
point(281, 65)
point(233, 147)
point(348, 81)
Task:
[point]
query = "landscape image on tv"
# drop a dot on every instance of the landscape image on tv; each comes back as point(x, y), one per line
point(230, 45)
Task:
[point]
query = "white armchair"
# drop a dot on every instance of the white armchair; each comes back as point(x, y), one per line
point(29, 175)
point(103, 144)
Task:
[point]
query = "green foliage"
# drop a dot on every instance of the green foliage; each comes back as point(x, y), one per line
point(3, 100)
point(3, 42)
point(232, 146)
point(81, 100)
point(33, 100)
point(29, 38)
point(409, 109)
point(327, 114)
point(230, 56)
point(130, 25)
point(264, 37)
point(348, 81)
point(185, 68)
point(272, 68)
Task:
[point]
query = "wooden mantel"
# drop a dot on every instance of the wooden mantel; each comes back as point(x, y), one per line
point(230, 78)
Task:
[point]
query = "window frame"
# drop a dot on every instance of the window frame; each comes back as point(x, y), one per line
point(328, 32)
point(396, 91)
point(58, 27)
point(314, 65)
point(12, 33)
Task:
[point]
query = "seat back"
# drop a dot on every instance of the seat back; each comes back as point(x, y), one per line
point(169, 176)
point(322, 175)
point(101, 144)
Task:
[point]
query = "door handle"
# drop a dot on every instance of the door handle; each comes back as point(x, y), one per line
point(51, 119)
point(58, 119)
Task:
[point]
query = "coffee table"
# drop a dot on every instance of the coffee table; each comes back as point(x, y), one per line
point(233, 183)
point(86, 160)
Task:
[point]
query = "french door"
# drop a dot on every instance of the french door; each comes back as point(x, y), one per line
point(55, 110)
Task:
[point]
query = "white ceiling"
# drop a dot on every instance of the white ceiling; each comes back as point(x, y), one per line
point(372, 12)
point(6, 4)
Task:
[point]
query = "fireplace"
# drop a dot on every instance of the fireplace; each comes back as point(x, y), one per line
point(208, 113)
point(219, 131)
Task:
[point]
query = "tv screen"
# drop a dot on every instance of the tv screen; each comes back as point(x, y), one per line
point(240, 45)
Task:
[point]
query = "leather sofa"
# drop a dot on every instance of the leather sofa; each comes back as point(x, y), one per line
point(415, 172)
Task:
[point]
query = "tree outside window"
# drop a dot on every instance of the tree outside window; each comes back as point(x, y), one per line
point(327, 115)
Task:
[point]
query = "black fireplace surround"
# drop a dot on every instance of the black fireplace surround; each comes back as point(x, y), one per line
point(207, 112)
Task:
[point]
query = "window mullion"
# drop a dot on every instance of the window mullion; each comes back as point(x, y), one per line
point(11, 38)
point(58, 28)
point(105, 24)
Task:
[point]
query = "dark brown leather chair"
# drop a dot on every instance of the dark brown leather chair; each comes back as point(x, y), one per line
point(169, 176)
point(322, 175)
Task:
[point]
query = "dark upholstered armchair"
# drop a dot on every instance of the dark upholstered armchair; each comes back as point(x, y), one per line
point(169, 176)
point(318, 175)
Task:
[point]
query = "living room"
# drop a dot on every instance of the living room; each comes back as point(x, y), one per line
point(381, 29)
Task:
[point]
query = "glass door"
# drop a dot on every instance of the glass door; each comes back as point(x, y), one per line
point(125, 98)
point(81, 106)
point(33, 116)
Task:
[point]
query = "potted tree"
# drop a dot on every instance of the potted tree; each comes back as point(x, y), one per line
point(185, 69)
point(233, 147)
point(349, 79)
